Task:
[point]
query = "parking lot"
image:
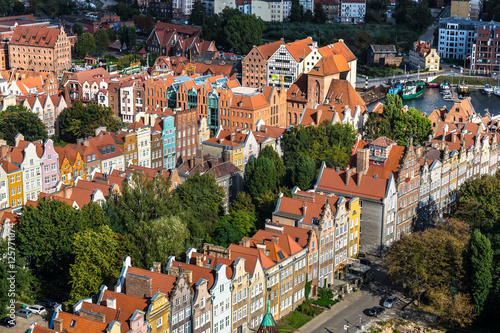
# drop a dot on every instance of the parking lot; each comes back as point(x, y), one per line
point(23, 324)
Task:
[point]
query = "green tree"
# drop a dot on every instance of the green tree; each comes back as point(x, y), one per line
point(197, 13)
point(111, 35)
point(412, 123)
point(296, 12)
point(101, 41)
point(234, 30)
point(480, 261)
point(128, 37)
point(85, 44)
point(261, 177)
point(158, 239)
point(226, 233)
point(319, 14)
point(376, 126)
point(479, 202)
point(242, 202)
point(431, 260)
point(203, 199)
point(308, 16)
point(77, 29)
point(270, 153)
point(96, 262)
point(141, 199)
point(80, 121)
point(25, 282)
point(45, 235)
point(18, 119)
point(304, 172)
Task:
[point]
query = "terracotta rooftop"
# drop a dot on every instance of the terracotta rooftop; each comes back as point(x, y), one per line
point(76, 324)
point(162, 282)
point(35, 36)
point(198, 273)
point(329, 65)
point(267, 50)
point(128, 303)
point(300, 49)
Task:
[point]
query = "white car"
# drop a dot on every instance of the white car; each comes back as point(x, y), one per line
point(37, 309)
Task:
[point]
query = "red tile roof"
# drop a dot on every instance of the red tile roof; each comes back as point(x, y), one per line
point(162, 282)
point(267, 50)
point(198, 273)
point(300, 49)
point(128, 303)
point(76, 324)
point(35, 36)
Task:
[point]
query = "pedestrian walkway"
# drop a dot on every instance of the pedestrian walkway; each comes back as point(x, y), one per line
point(325, 315)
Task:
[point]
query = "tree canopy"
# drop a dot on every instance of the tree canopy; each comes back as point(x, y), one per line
point(234, 31)
point(18, 119)
point(80, 121)
point(197, 13)
point(330, 143)
point(480, 269)
point(85, 44)
point(96, 262)
point(77, 29)
point(304, 172)
point(101, 41)
point(261, 177)
point(397, 124)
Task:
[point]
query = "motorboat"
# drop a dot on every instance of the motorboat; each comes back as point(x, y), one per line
point(496, 91)
point(432, 85)
point(487, 90)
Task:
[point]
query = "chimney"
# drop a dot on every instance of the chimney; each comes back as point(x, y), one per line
point(100, 130)
point(58, 324)
point(319, 113)
point(233, 136)
point(199, 259)
point(226, 155)
point(375, 176)
point(337, 169)
point(111, 302)
point(67, 191)
point(363, 160)
point(275, 239)
point(157, 267)
point(445, 130)
point(245, 242)
point(8, 158)
point(348, 175)
point(453, 136)
point(261, 246)
point(418, 150)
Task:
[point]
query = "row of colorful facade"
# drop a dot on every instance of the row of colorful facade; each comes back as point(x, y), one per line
point(226, 289)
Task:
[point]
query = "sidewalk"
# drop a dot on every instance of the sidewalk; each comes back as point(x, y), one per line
point(324, 316)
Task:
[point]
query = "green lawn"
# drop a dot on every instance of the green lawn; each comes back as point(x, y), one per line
point(296, 319)
point(284, 328)
point(471, 81)
point(323, 302)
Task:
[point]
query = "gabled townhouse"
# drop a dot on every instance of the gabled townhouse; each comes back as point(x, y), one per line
point(372, 180)
point(47, 108)
point(269, 136)
point(170, 297)
point(240, 146)
point(26, 87)
point(30, 164)
point(201, 281)
point(336, 222)
point(143, 133)
point(156, 309)
point(14, 183)
point(4, 184)
point(287, 62)
point(156, 144)
point(459, 114)
point(100, 152)
point(286, 271)
point(422, 56)
point(186, 127)
point(67, 322)
point(71, 165)
point(49, 160)
point(254, 65)
point(127, 141)
point(84, 86)
point(7, 222)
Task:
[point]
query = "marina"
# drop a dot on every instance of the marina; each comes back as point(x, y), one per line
point(432, 99)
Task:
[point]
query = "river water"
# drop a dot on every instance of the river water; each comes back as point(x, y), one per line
point(432, 99)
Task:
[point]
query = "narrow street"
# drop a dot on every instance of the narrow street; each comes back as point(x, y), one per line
point(356, 306)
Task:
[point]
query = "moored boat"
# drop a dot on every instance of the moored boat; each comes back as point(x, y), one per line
point(413, 89)
point(487, 90)
point(463, 91)
point(432, 85)
point(444, 86)
point(496, 91)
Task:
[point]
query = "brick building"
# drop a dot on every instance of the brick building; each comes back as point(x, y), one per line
point(485, 50)
point(255, 64)
point(40, 49)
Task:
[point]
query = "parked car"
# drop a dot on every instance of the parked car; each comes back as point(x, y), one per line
point(8, 322)
point(25, 313)
point(365, 262)
point(375, 311)
point(37, 309)
point(46, 302)
point(390, 301)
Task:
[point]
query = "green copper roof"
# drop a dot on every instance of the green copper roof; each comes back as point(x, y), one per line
point(268, 318)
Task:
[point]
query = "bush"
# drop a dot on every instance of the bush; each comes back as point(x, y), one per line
point(325, 293)
point(324, 302)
